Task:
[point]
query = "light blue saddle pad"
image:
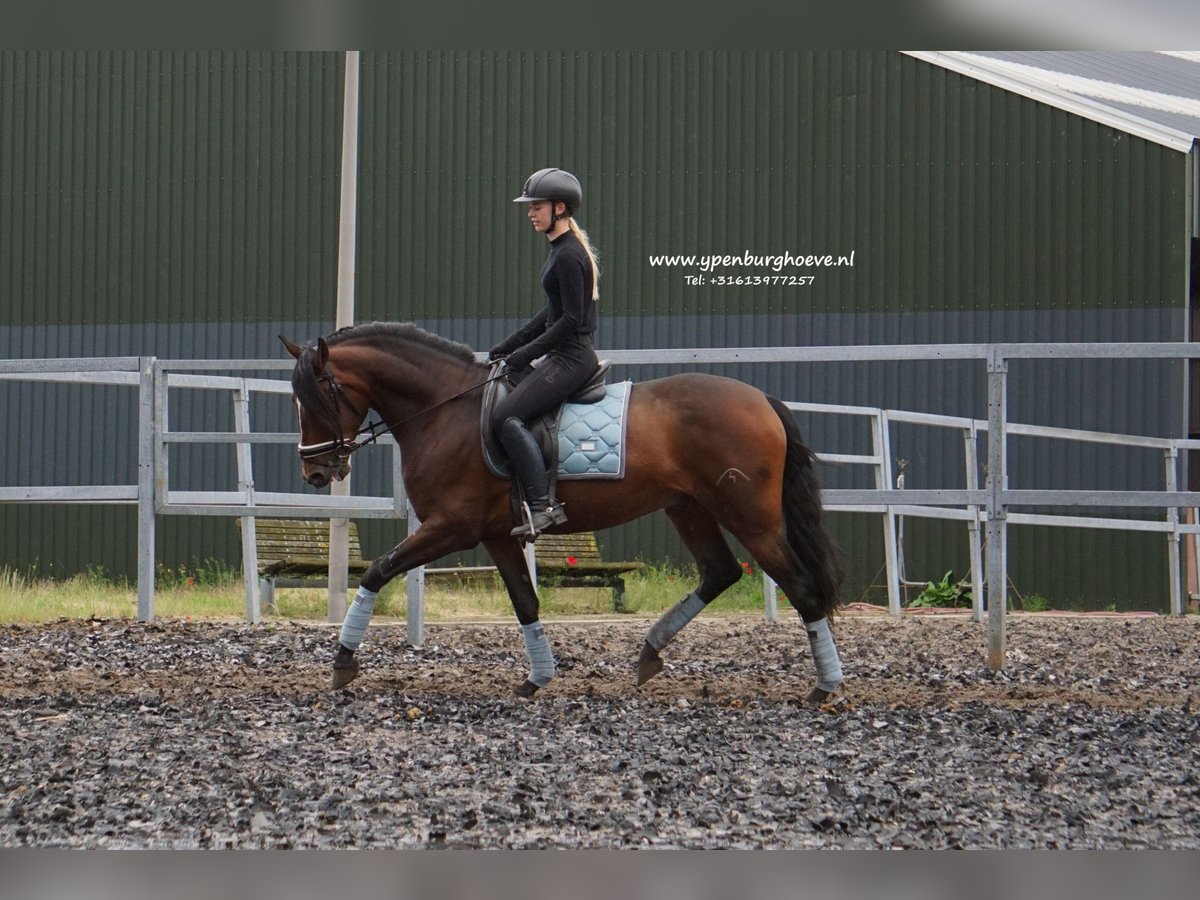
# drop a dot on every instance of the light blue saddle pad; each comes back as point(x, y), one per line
point(591, 437)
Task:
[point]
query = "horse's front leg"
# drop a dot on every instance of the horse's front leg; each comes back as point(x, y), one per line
point(510, 560)
point(430, 541)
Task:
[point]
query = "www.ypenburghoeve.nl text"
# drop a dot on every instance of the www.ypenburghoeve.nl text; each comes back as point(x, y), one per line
point(776, 262)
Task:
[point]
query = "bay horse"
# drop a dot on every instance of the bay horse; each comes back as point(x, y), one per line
point(712, 452)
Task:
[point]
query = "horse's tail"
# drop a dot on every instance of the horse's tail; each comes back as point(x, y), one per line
point(804, 516)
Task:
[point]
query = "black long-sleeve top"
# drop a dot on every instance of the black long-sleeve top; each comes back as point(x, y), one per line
point(567, 279)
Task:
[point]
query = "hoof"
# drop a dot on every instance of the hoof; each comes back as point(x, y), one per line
point(345, 668)
point(649, 664)
point(826, 701)
point(526, 689)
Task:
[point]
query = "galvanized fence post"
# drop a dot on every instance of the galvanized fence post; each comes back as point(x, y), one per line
point(146, 485)
point(770, 598)
point(415, 586)
point(997, 483)
point(1173, 567)
point(245, 467)
point(881, 433)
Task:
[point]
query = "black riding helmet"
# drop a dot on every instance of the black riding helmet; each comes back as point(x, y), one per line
point(553, 184)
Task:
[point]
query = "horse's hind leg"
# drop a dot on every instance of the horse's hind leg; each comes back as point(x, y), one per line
point(777, 559)
point(719, 569)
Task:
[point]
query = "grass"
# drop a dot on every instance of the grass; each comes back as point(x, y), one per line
point(25, 598)
point(213, 590)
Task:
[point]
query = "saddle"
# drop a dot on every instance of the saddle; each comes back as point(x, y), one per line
point(544, 428)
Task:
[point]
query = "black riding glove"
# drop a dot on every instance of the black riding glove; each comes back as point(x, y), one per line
point(518, 360)
point(499, 351)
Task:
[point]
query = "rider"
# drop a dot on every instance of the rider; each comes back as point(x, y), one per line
point(561, 332)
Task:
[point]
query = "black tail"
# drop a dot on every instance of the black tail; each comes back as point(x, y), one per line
point(805, 517)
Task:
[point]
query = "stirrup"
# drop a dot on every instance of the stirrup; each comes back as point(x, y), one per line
point(537, 522)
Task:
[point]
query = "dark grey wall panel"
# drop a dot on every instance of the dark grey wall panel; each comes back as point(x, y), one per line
point(168, 187)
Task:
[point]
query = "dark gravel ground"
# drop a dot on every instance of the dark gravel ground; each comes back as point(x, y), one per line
point(219, 734)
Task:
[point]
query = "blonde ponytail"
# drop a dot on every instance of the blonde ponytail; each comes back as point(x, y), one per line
point(587, 245)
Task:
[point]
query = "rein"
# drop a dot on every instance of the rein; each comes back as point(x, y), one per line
point(342, 447)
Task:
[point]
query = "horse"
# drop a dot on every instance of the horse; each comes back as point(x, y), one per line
point(712, 452)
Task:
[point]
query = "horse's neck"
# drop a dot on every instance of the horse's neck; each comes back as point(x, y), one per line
point(414, 381)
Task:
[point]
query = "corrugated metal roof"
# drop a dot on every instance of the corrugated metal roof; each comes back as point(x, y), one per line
point(1152, 94)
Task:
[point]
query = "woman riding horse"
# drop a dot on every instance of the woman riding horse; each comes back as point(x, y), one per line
point(761, 486)
point(561, 332)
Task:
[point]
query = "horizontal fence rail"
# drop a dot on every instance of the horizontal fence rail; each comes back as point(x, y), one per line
point(984, 508)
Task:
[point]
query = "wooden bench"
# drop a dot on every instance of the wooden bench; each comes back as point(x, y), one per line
point(573, 560)
point(563, 560)
point(295, 553)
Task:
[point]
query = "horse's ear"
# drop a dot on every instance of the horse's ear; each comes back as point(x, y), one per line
point(291, 348)
point(323, 351)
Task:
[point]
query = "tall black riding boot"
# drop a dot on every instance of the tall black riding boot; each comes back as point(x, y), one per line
point(526, 458)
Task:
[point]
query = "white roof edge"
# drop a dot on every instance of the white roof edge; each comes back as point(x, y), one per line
point(1072, 103)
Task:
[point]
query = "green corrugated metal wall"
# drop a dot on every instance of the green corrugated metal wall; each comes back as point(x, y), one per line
point(954, 194)
point(167, 187)
point(147, 190)
point(177, 187)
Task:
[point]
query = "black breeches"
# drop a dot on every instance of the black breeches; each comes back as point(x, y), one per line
point(556, 378)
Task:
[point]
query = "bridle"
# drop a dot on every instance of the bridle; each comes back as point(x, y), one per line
point(340, 448)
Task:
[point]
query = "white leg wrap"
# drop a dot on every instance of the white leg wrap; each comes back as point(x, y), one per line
point(358, 616)
point(674, 619)
point(825, 655)
point(541, 658)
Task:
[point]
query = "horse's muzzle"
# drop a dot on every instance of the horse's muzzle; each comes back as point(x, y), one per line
point(320, 476)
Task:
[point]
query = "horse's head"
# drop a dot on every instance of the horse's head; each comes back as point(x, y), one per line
point(329, 409)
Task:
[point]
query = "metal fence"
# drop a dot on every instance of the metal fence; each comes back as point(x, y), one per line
point(246, 501)
point(153, 494)
point(137, 373)
point(986, 510)
point(881, 460)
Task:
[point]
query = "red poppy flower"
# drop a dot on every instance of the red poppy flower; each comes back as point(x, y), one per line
point(570, 560)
